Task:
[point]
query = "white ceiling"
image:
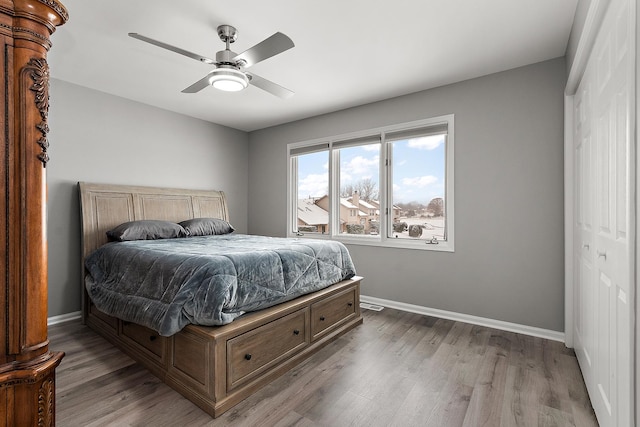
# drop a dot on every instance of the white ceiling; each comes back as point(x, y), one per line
point(347, 53)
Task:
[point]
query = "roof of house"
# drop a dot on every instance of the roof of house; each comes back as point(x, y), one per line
point(347, 204)
point(312, 214)
point(363, 203)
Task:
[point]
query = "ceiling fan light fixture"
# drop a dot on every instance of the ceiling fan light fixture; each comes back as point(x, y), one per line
point(229, 79)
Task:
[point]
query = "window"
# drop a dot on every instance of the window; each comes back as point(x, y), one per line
point(390, 186)
point(417, 178)
point(358, 181)
point(312, 189)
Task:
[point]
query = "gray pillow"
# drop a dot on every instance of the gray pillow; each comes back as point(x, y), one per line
point(146, 230)
point(206, 226)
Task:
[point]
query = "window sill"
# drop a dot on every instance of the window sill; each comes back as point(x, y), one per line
point(383, 243)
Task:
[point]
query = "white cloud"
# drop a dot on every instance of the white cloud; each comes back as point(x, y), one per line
point(420, 181)
point(418, 189)
point(313, 185)
point(345, 177)
point(361, 165)
point(426, 142)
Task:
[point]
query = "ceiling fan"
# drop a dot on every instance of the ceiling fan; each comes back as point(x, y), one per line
point(229, 74)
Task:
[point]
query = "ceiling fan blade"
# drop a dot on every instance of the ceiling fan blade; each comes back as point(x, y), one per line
point(269, 86)
point(173, 48)
point(199, 85)
point(267, 48)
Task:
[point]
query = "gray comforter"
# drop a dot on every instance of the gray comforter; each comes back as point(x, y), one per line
point(167, 284)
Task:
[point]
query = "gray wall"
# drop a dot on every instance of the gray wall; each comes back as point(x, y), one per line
point(97, 137)
point(508, 263)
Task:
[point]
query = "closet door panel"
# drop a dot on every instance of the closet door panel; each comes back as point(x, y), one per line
point(584, 247)
point(604, 186)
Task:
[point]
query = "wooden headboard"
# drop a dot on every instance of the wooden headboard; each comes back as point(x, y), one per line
point(104, 206)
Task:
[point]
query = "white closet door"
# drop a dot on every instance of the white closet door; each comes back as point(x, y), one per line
point(604, 230)
point(584, 245)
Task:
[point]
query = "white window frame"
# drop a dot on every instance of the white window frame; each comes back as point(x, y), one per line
point(385, 190)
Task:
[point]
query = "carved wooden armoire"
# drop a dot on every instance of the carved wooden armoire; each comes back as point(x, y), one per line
point(27, 365)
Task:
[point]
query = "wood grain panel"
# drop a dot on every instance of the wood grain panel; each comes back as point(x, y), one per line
point(189, 356)
point(146, 338)
point(253, 352)
point(210, 207)
point(111, 210)
point(167, 208)
point(326, 314)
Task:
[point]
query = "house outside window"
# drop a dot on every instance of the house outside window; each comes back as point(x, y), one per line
point(390, 186)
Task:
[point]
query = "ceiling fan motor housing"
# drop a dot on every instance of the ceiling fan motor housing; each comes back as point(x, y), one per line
point(227, 33)
point(225, 57)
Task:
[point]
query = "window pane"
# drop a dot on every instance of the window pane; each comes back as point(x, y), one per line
point(418, 192)
point(312, 192)
point(359, 185)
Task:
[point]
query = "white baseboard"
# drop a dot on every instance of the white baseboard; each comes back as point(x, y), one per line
point(64, 318)
point(451, 315)
point(467, 318)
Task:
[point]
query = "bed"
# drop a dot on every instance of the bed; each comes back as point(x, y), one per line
point(213, 366)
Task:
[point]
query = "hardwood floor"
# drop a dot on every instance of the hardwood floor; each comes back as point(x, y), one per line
point(397, 369)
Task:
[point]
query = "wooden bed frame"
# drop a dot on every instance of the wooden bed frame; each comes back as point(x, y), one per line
point(214, 367)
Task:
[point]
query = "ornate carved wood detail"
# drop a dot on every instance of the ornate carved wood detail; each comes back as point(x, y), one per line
point(18, 382)
point(41, 39)
point(31, 372)
point(46, 396)
point(27, 366)
point(57, 7)
point(39, 73)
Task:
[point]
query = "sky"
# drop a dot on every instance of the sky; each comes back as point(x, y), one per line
point(418, 169)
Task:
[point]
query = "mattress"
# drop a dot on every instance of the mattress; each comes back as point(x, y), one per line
point(167, 284)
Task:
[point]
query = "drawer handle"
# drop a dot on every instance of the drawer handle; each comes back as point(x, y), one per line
point(152, 338)
point(296, 332)
point(322, 318)
point(350, 304)
point(247, 356)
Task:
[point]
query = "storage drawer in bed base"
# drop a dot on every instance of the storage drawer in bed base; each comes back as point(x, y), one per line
point(217, 367)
